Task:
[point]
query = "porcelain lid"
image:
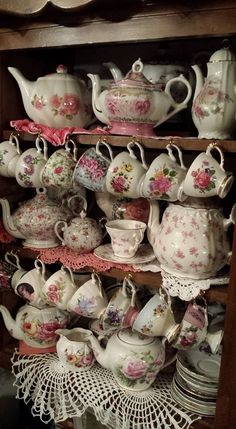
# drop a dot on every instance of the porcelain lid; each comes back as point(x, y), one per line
point(223, 54)
point(131, 337)
point(135, 78)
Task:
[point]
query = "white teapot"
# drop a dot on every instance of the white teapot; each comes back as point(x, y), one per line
point(134, 359)
point(57, 100)
point(134, 105)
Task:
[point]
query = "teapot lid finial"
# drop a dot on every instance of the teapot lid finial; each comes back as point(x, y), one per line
point(223, 54)
point(61, 69)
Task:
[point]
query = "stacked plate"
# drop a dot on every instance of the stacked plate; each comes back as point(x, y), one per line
point(195, 382)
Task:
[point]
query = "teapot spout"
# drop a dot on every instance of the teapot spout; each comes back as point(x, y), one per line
point(100, 354)
point(199, 80)
point(11, 325)
point(153, 222)
point(115, 71)
point(96, 92)
point(26, 87)
point(7, 219)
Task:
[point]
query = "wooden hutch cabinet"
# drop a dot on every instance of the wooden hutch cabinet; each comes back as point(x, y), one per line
point(37, 35)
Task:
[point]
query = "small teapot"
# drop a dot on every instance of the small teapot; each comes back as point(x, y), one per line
point(57, 100)
point(134, 359)
point(134, 105)
point(36, 327)
point(34, 220)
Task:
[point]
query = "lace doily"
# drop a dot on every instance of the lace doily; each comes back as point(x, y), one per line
point(59, 394)
point(187, 289)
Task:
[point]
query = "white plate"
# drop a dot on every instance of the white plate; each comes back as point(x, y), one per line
point(201, 362)
point(191, 406)
point(144, 254)
point(195, 384)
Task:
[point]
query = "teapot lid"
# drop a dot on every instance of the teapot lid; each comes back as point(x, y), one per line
point(135, 77)
point(135, 338)
point(223, 54)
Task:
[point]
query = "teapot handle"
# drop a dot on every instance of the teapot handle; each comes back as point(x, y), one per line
point(64, 226)
point(170, 153)
point(13, 139)
point(177, 106)
point(68, 149)
point(38, 140)
point(107, 146)
point(132, 154)
point(82, 212)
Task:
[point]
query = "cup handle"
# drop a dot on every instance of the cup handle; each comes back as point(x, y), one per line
point(107, 146)
point(40, 266)
point(213, 146)
point(7, 257)
point(68, 149)
point(64, 226)
point(132, 154)
point(38, 140)
point(133, 290)
point(96, 279)
point(172, 359)
point(69, 271)
point(14, 140)
point(170, 153)
point(166, 296)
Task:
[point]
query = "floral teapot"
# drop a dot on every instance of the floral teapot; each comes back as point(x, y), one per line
point(134, 105)
point(134, 359)
point(214, 103)
point(57, 100)
point(36, 327)
point(34, 220)
point(191, 240)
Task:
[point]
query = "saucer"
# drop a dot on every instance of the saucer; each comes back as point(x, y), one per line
point(144, 254)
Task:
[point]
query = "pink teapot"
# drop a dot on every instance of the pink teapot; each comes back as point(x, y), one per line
point(134, 105)
point(57, 100)
point(34, 220)
point(191, 240)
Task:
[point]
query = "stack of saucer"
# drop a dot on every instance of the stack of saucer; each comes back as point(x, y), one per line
point(195, 382)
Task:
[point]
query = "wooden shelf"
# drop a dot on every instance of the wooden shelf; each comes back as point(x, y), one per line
point(204, 423)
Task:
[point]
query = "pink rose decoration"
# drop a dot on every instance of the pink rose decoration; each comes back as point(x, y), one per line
point(71, 104)
point(137, 210)
point(88, 359)
point(162, 184)
point(118, 184)
point(134, 368)
point(55, 101)
point(53, 296)
point(202, 179)
point(58, 170)
point(46, 331)
point(142, 106)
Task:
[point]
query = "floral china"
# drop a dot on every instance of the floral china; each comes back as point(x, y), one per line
point(193, 327)
point(34, 220)
point(73, 349)
point(143, 255)
point(126, 236)
point(36, 327)
point(164, 176)
point(59, 288)
point(30, 165)
point(156, 318)
point(89, 300)
point(59, 168)
point(135, 360)
point(30, 285)
point(9, 155)
point(134, 105)
point(56, 100)
point(92, 166)
point(213, 109)
point(206, 177)
point(191, 239)
point(118, 305)
point(125, 172)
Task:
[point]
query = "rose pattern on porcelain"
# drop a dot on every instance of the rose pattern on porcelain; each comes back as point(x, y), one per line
point(203, 178)
point(161, 182)
point(29, 169)
point(190, 242)
point(66, 106)
point(59, 288)
point(73, 349)
point(78, 359)
point(122, 178)
point(42, 332)
point(9, 155)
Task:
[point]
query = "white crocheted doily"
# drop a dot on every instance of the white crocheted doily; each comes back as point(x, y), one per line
point(58, 394)
point(187, 289)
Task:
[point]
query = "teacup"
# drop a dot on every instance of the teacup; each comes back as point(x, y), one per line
point(126, 236)
point(9, 256)
point(59, 169)
point(125, 172)
point(30, 165)
point(118, 305)
point(206, 177)
point(30, 285)
point(214, 339)
point(90, 299)
point(193, 328)
point(91, 168)
point(164, 177)
point(9, 155)
point(73, 349)
point(59, 288)
point(156, 318)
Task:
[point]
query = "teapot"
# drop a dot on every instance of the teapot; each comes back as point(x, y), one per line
point(134, 105)
point(214, 103)
point(34, 220)
point(56, 100)
point(191, 240)
point(134, 359)
point(36, 327)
